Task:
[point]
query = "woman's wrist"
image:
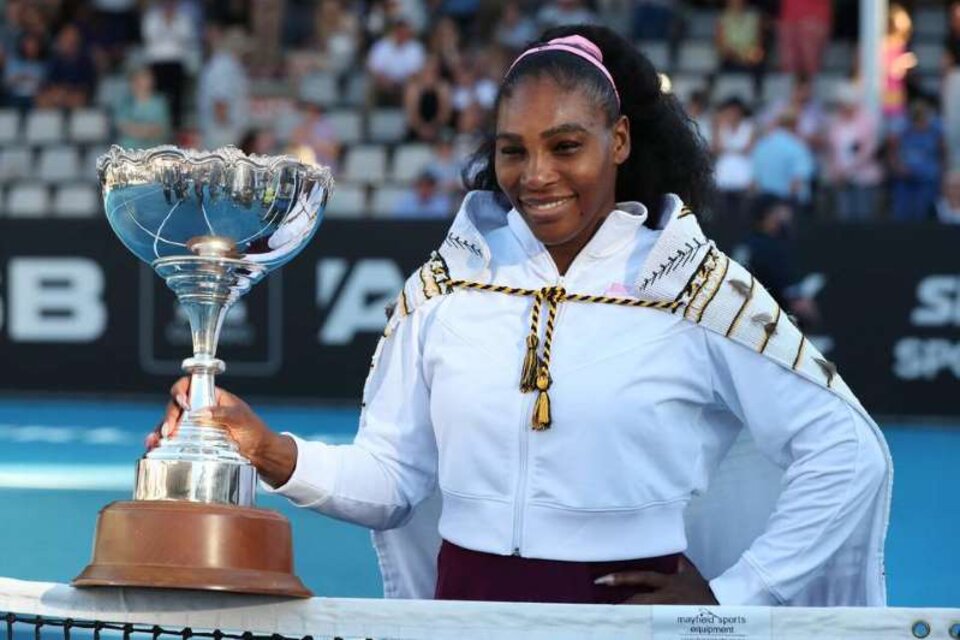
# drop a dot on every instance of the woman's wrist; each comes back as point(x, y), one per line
point(276, 459)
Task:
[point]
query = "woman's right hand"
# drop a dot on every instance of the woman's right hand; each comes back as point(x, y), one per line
point(274, 455)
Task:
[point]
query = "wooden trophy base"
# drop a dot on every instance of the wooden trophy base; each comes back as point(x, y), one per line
point(189, 545)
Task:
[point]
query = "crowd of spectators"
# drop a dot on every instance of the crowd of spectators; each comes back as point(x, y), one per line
point(277, 76)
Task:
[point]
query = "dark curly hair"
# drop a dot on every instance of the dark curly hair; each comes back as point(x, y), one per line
point(667, 154)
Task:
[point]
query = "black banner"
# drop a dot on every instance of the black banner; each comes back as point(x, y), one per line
point(78, 313)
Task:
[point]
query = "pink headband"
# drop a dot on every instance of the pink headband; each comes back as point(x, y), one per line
point(578, 46)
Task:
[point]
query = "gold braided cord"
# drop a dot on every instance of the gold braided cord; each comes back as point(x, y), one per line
point(670, 305)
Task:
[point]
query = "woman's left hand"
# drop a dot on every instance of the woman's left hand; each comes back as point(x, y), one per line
point(686, 586)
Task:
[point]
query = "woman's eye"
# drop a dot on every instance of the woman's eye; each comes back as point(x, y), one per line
point(568, 146)
point(511, 151)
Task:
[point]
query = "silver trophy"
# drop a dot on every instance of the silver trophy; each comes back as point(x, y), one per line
point(211, 224)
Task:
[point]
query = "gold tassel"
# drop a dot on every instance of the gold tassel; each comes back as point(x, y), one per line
point(541, 408)
point(528, 376)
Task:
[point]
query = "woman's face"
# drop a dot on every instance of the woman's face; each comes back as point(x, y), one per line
point(556, 159)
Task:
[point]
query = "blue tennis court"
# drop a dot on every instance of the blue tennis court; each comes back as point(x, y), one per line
point(61, 461)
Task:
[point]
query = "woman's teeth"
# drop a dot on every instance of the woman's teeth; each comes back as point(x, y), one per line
point(547, 206)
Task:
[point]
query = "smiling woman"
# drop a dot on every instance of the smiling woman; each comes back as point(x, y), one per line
point(579, 398)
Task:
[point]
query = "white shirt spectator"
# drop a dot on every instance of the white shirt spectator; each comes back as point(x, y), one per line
point(168, 37)
point(396, 61)
point(223, 85)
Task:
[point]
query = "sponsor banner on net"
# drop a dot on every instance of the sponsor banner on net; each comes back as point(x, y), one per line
point(696, 622)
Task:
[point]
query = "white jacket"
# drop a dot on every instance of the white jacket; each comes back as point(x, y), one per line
point(646, 403)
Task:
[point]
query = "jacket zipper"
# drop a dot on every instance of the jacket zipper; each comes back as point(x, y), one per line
point(519, 503)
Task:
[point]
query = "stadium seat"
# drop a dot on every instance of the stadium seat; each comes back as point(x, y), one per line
point(348, 125)
point(658, 53)
point(777, 86)
point(387, 125)
point(356, 91)
point(366, 164)
point(839, 57)
point(89, 126)
point(385, 199)
point(929, 56)
point(409, 160)
point(44, 126)
point(348, 201)
point(88, 166)
point(28, 200)
point(76, 201)
point(112, 91)
point(930, 25)
point(825, 86)
point(702, 25)
point(16, 163)
point(58, 164)
point(9, 126)
point(698, 57)
point(729, 85)
point(683, 85)
point(320, 88)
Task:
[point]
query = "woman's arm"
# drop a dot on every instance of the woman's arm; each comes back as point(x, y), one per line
point(834, 468)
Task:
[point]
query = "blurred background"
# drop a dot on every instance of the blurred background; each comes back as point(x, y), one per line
point(842, 195)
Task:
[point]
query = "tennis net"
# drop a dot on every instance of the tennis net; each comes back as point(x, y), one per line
point(46, 611)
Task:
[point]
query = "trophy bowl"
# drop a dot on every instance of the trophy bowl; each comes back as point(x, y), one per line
point(211, 224)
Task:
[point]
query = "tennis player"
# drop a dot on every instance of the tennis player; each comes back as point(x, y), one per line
point(561, 381)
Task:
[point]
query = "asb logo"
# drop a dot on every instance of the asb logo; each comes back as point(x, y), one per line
point(937, 312)
point(353, 297)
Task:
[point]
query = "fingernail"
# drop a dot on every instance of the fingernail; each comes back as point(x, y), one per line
point(165, 429)
point(182, 401)
point(607, 580)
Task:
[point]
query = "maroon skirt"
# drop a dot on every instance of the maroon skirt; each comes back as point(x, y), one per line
point(473, 575)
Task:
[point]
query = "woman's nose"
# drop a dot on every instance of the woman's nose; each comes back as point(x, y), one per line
point(538, 173)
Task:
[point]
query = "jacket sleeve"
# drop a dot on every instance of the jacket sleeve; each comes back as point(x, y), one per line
point(833, 468)
point(392, 464)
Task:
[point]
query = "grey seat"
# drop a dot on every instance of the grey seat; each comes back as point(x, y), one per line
point(365, 164)
point(387, 125)
point(9, 126)
point(80, 200)
point(44, 126)
point(89, 126)
point(59, 164)
point(385, 200)
point(348, 125)
point(348, 201)
point(28, 200)
point(409, 160)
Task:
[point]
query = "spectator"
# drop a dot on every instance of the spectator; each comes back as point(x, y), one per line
point(71, 75)
point(170, 41)
point(333, 47)
point(424, 200)
point(463, 12)
point(948, 207)
point(316, 133)
point(223, 97)
point(804, 30)
point(514, 30)
point(897, 62)
point(852, 165)
point(117, 27)
point(261, 142)
point(653, 19)
point(733, 137)
point(768, 254)
point(393, 60)
point(11, 29)
point(917, 165)
point(951, 87)
point(739, 38)
point(810, 114)
point(25, 72)
point(446, 166)
point(698, 108)
point(471, 89)
point(445, 44)
point(144, 120)
point(558, 13)
point(783, 163)
point(427, 103)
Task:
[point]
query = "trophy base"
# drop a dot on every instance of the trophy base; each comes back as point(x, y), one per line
point(185, 545)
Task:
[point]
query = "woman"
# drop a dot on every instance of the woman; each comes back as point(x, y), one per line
point(427, 103)
point(734, 135)
point(534, 373)
point(144, 120)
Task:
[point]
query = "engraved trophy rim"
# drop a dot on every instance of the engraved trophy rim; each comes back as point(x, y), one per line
point(121, 157)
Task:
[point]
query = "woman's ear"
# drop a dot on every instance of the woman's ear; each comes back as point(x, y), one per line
point(621, 140)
